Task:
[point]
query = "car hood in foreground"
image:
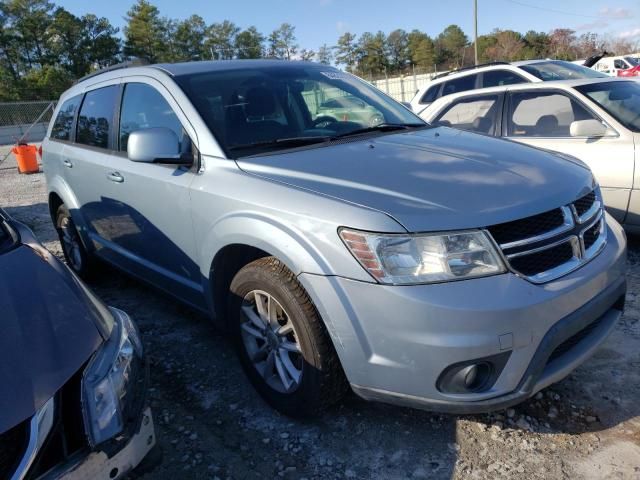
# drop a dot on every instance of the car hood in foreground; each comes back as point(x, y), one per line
point(48, 332)
point(433, 179)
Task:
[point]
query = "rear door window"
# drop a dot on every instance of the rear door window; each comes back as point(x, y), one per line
point(497, 78)
point(144, 107)
point(462, 84)
point(63, 123)
point(544, 114)
point(475, 114)
point(95, 120)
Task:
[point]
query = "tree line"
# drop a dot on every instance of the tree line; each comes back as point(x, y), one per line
point(44, 48)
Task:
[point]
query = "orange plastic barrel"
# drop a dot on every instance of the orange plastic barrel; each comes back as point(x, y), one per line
point(26, 158)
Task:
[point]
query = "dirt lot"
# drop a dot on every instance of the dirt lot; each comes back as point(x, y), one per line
point(211, 424)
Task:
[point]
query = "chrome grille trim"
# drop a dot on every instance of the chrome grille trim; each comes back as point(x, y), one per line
point(39, 429)
point(595, 208)
point(565, 227)
point(572, 231)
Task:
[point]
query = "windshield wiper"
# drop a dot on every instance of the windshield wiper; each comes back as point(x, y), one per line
point(284, 142)
point(382, 127)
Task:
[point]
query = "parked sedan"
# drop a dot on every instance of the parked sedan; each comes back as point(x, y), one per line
point(348, 108)
point(72, 372)
point(595, 120)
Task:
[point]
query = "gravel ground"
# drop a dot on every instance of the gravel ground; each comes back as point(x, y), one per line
point(211, 424)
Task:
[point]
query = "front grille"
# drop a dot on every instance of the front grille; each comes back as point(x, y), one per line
point(544, 260)
point(527, 227)
point(13, 444)
point(553, 243)
point(582, 205)
point(574, 340)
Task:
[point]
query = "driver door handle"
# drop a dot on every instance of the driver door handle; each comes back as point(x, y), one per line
point(115, 177)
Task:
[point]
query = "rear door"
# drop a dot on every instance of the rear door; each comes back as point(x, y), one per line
point(152, 235)
point(542, 118)
point(86, 161)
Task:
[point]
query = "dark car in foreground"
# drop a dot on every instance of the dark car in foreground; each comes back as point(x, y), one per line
point(72, 372)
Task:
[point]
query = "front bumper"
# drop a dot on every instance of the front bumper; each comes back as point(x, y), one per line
point(99, 466)
point(394, 342)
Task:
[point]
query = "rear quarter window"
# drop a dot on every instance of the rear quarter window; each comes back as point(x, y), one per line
point(430, 95)
point(63, 123)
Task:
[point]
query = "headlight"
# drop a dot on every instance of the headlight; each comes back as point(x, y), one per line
point(405, 259)
point(110, 382)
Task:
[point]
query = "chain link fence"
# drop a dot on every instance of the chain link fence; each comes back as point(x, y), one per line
point(404, 87)
point(24, 121)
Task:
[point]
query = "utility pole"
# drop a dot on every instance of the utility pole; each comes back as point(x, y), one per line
point(475, 30)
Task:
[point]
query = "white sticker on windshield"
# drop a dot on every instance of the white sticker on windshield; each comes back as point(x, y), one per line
point(336, 75)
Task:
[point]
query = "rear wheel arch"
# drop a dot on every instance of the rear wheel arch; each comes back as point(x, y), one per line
point(54, 203)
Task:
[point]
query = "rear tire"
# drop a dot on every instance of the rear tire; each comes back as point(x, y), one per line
point(281, 340)
point(75, 254)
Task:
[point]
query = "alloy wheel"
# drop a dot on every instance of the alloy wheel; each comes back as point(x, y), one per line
point(271, 342)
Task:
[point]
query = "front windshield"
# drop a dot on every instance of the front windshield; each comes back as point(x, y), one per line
point(560, 70)
point(633, 61)
point(266, 109)
point(620, 99)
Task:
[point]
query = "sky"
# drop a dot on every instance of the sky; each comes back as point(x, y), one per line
point(323, 21)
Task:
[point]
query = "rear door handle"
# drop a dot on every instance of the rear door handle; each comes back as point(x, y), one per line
point(67, 163)
point(115, 177)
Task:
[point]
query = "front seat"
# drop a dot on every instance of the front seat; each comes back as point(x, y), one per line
point(547, 126)
point(261, 105)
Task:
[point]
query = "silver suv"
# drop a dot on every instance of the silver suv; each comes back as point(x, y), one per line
point(421, 266)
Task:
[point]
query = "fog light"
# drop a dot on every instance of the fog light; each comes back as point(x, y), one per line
point(472, 376)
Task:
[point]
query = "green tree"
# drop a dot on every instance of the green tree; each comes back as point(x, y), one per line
point(536, 45)
point(307, 55)
point(421, 50)
point(249, 43)
point(45, 83)
point(347, 51)
point(372, 56)
point(397, 44)
point(451, 45)
point(324, 55)
point(282, 42)
point(100, 41)
point(145, 32)
point(189, 38)
point(221, 38)
point(28, 24)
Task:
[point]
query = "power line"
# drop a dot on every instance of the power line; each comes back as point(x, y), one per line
point(522, 4)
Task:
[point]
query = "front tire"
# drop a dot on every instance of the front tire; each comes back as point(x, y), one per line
point(281, 340)
point(76, 256)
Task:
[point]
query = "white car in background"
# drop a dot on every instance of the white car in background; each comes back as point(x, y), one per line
point(595, 120)
point(498, 74)
point(623, 66)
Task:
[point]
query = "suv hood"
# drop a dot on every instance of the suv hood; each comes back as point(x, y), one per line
point(48, 332)
point(433, 179)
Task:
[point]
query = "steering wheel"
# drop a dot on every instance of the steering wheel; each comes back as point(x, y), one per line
point(323, 121)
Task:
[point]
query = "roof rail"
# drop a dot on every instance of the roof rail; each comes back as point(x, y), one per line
point(472, 67)
point(138, 62)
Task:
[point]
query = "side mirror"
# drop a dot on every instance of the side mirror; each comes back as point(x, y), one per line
point(407, 105)
point(155, 145)
point(588, 128)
